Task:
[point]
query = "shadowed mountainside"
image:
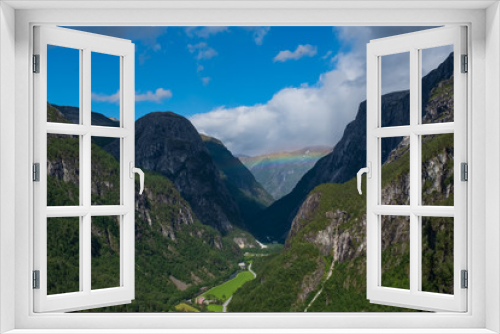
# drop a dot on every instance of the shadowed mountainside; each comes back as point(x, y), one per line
point(249, 194)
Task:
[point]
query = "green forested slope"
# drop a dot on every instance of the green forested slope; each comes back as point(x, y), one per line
point(329, 233)
point(175, 254)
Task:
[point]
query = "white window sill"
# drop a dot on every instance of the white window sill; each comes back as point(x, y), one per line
point(251, 331)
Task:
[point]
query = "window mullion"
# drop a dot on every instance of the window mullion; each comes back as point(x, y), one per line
point(86, 180)
point(414, 171)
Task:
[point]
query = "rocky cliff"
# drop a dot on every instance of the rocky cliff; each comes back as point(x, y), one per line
point(169, 144)
point(323, 265)
point(348, 155)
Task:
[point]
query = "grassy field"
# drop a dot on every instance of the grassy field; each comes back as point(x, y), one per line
point(226, 290)
point(182, 307)
point(214, 308)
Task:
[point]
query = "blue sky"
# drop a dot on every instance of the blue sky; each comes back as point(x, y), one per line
point(258, 89)
point(237, 65)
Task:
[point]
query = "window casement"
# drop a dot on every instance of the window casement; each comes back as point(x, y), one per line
point(417, 210)
point(82, 211)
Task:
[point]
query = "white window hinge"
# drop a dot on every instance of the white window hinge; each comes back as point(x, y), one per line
point(465, 279)
point(36, 63)
point(465, 64)
point(36, 279)
point(36, 172)
point(464, 171)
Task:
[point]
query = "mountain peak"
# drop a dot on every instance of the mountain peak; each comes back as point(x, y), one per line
point(169, 144)
point(206, 138)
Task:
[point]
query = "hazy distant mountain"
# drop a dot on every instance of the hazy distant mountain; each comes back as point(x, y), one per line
point(279, 172)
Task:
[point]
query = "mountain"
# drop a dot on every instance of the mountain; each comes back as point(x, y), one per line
point(323, 265)
point(72, 114)
point(169, 144)
point(176, 255)
point(347, 157)
point(249, 194)
point(279, 172)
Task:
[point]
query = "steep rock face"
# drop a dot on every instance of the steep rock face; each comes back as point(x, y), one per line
point(169, 144)
point(329, 233)
point(348, 156)
point(249, 194)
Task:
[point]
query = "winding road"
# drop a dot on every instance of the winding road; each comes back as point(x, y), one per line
point(224, 306)
point(250, 270)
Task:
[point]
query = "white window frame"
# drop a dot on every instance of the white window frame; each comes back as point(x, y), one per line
point(484, 50)
point(86, 44)
point(412, 44)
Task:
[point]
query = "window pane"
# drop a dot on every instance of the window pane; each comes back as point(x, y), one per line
point(437, 254)
point(437, 169)
point(63, 170)
point(395, 251)
point(105, 252)
point(105, 171)
point(63, 255)
point(63, 84)
point(395, 171)
point(437, 84)
point(395, 93)
point(105, 83)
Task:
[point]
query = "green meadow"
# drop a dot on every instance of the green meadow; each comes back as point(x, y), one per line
point(214, 308)
point(226, 290)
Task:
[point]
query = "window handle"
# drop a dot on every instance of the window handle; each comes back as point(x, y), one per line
point(134, 170)
point(368, 171)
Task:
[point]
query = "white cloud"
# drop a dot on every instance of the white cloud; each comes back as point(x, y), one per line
point(293, 118)
point(202, 50)
point(113, 98)
point(159, 95)
point(205, 80)
point(200, 68)
point(305, 115)
point(327, 55)
point(258, 33)
point(301, 51)
point(205, 32)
